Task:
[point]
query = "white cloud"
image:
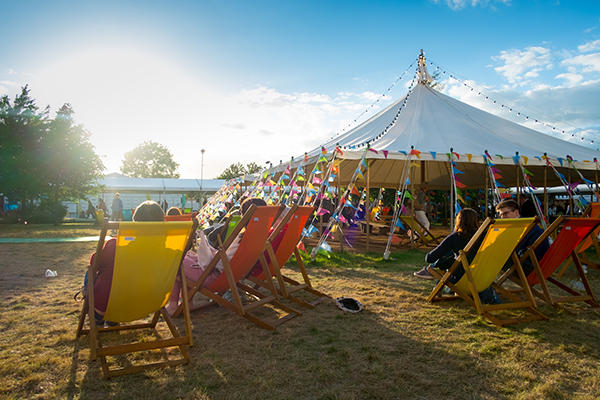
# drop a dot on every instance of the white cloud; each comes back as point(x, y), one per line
point(460, 4)
point(588, 62)
point(571, 78)
point(527, 62)
point(589, 46)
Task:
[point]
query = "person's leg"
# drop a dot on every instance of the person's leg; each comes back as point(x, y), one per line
point(422, 218)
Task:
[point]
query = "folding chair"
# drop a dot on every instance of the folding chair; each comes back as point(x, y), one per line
point(257, 221)
point(281, 244)
point(181, 217)
point(147, 259)
point(591, 211)
point(563, 250)
point(500, 239)
point(423, 235)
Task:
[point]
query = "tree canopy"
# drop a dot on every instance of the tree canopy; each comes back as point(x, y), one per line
point(150, 160)
point(239, 169)
point(44, 158)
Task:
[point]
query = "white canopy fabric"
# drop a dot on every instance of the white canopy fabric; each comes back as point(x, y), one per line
point(433, 123)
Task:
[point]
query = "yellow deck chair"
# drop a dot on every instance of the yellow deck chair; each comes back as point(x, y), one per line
point(500, 239)
point(147, 259)
point(424, 237)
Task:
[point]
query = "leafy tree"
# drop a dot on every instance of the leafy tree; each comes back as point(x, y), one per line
point(233, 171)
point(252, 168)
point(42, 160)
point(150, 160)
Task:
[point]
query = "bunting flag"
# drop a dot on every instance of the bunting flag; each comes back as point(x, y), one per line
point(323, 150)
point(373, 150)
point(414, 152)
point(461, 185)
point(403, 152)
point(560, 160)
point(322, 211)
point(385, 153)
point(300, 171)
point(354, 191)
point(408, 195)
point(363, 162)
point(525, 158)
point(414, 164)
point(317, 180)
point(469, 156)
point(323, 159)
point(488, 155)
point(339, 151)
point(359, 174)
point(305, 157)
point(300, 178)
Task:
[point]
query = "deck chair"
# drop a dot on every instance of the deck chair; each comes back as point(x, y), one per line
point(280, 251)
point(563, 250)
point(147, 259)
point(181, 217)
point(500, 239)
point(591, 211)
point(424, 235)
point(258, 222)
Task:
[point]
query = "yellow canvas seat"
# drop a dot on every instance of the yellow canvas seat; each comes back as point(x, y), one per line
point(420, 234)
point(147, 260)
point(500, 239)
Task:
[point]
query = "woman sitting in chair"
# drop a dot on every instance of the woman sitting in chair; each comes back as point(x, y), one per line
point(194, 263)
point(147, 211)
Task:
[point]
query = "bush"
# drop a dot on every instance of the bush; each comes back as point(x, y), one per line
point(47, 212)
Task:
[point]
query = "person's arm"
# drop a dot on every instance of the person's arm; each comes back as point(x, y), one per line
point(446, 247)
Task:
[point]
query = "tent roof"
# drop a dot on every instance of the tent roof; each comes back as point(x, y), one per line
point(434, 122)
point(156, 185)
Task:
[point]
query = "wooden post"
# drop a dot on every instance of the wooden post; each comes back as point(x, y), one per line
point(451, 172)
point(518, 187)
point(596, 178)
point(487, 185)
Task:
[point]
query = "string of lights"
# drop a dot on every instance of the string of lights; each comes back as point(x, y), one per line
point(510, 108)
point(372, 105)
point(387, 128)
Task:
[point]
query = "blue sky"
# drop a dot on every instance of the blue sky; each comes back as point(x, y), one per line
point(265, 80)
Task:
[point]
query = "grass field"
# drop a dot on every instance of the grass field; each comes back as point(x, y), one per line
point(398, 347)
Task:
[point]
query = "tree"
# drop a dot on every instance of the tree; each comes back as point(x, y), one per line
point(150, 160)
point(42, 160)
point(238, 169)
point(233, 171)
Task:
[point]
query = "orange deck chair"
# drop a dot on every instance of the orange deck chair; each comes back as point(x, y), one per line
point(294, 222)
point(500, 239)
point(562, 250)
point(592, 211)
point(258, 222)
point(147, 259)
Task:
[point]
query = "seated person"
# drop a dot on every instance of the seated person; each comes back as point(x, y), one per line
point(442, 257)
point(508, 208)
point(194, 263)
point(147, 211)
point(444, 254)
point(174, 211)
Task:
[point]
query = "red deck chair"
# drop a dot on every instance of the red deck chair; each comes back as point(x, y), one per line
point(258, 222)
point(563, 250)
point(181, 217)
point(280, 251)
point(592, 211)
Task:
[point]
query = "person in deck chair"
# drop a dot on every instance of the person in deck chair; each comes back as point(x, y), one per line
point(194, 263)
point(508, 208)
point(147, 211)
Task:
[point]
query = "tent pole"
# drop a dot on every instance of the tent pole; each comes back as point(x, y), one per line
point(451, 205)
point(571, 203)
point(546, 192)
point(596, 178)
point(487, 184)
point(367, 206)
point(412, 203)
point(518, 186)
point(339, 189)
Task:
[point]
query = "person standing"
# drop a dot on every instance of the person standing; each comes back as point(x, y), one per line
point(117, 208)
point(421, 207)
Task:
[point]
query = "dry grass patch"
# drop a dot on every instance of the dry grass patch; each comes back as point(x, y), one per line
point(398, 347)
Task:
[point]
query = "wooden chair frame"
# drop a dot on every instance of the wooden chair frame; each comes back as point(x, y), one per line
point(472, 296)
point(422, 232)
point(97, 349)
point(236, 305)
point(545, 294)
point(286, 285)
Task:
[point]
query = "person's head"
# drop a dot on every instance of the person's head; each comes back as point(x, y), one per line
point(252, 200)
point(174, 211)
point(508, 208)
point(117, 195)
point(528, 209)
point(466, 222)
point(148, 211)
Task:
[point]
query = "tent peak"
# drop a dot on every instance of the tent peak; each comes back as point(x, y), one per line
point(422, 73)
